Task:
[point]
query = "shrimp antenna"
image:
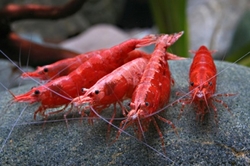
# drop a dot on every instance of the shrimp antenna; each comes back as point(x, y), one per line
point(68, 98)
point(12, 94)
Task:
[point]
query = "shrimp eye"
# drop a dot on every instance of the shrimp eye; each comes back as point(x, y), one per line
point(36, 92)
point(192, 83)
point(129, 104)
point(45, 69)
point(97, 91)
point(146, 103)
point(210, 83)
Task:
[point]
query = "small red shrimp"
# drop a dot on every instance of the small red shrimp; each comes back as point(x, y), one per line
point(117, 85)
point(60, 68)
point(112, 88)
point(152, 92)
point(202, 84)
point(62, 90)
point(66, 66)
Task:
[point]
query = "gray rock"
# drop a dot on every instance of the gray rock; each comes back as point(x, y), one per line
point(228, 143)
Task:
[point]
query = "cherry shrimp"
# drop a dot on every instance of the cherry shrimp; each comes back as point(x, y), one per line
point(115, 87)
point(84, 138)
point(61, 91)
point(66, 66)
point(132, 55)
point(152, 92)
point(60, 68)
point(92, 149)
point(202, 84)
point(112, 88)
point(36, 92)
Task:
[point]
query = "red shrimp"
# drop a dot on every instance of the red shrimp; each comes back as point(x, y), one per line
point(117, 85)
point(60, 68)
point(62, 90)
point(66, 66)
point(112, 88)
point(152, 92)
point(202, 84)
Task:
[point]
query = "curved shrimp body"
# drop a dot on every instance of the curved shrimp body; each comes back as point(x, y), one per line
point(60, 68)
point(98, 66)
point(153, 91)
point(114, 87)
point(62, 90)
point(65, 66)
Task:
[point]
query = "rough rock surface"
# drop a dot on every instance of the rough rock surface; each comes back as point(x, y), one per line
point(227, 143)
